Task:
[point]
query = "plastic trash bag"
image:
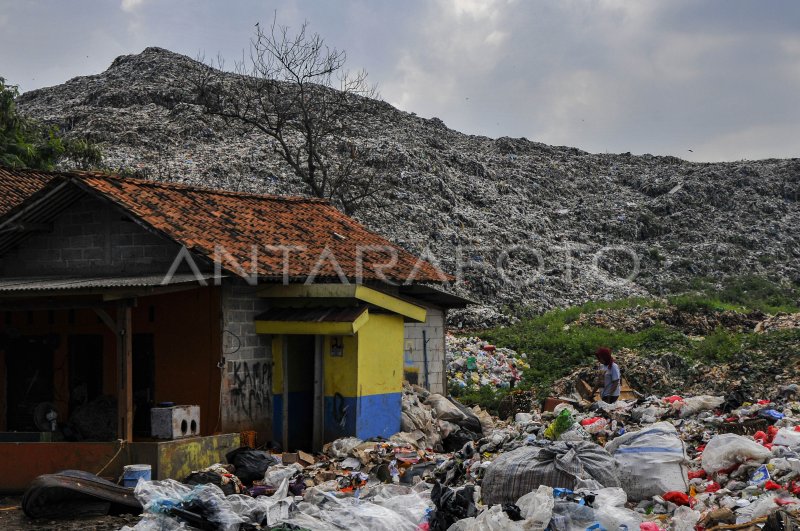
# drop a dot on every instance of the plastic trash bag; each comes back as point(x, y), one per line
point(684, 519)
point(611, 497)
point(651, 461)
point(727, 449)
point(569, 516)
point(559, 464)
point(277, 474)
point(168, 498)
point(693, 405)
point(342, 448)
point(349, 513)
point(492, 519)
point(787, 437)
point(250, 464)
point(612, 517)
point(537, 507)
point(562, 423)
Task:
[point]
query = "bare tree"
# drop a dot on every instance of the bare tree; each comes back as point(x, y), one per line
point(294, 89)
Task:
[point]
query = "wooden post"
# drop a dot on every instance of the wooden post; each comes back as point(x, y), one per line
point(319, 393)
point(124, 372)
point(285, 381)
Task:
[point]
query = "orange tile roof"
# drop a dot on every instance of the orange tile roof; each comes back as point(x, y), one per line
point(18, 185)
point(234, 228)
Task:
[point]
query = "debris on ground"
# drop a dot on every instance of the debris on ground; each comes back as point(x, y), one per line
point(653, 463)
point(474, 363)
point(780, 321)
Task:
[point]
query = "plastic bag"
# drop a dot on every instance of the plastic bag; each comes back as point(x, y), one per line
point(684, 519)
point(492, 519)
point(351, 513)
point(562, 423)
point(250, 464)
point(611, 497)
point(650, 461)
point(696, 404)
point(537, 507)
point(559, 464)
point(275, 475)
point(205, 502)
point(613, 518)
point(787, 437)
point(727, 449)
point(341, 448)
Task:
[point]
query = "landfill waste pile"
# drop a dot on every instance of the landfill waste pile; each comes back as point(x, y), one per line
point(638, 318)
point(781, 321)
point(474, 363)
point(678, 463)
point(523, 221)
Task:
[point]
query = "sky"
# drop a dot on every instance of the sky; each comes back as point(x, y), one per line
point(710, 80)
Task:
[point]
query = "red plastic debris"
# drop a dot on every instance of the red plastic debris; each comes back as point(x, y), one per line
point(760, 437)
point(672, 399)
point(694, 474)
point(772, 431)
point(676, 497)
point(712, 486)
point(592, 420)
point(648, 526)
point(771, 485)
point(763, 402)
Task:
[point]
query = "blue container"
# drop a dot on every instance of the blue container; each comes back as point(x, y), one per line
point(131, 474)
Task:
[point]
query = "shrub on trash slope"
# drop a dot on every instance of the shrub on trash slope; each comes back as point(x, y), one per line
point(556, 345)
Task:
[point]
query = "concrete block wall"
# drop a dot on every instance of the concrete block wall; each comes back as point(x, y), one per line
point(246, 394)
point(91, 237)
point(434, 327)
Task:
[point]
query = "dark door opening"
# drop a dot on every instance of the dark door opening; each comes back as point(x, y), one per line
point(29, 374)
point(301, 391)
point(85, 361)
point(144, 382)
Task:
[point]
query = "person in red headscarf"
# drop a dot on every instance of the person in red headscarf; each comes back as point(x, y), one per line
point(610, 378)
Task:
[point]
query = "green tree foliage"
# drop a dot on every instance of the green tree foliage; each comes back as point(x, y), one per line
point(25, 143)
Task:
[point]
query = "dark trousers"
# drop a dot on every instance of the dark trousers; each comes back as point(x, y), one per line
point(610, 399)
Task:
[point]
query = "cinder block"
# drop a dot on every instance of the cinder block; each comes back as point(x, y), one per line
point(175, 422)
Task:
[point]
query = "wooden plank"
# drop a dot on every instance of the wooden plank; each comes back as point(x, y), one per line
point(319, 393)
point(285, 382)
point(125, 372)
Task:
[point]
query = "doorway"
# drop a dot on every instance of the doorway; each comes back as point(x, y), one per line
point(29, 375)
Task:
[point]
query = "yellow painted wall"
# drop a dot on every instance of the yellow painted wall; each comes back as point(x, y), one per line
point(372, 361)
point(341, 373)
point(380, 355)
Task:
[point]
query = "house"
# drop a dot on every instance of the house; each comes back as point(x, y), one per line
point(275, 315)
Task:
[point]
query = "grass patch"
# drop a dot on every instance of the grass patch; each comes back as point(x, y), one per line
point(738, 293)
point(555, 347)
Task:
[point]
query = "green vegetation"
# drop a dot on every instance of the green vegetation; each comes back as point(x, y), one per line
point(556, 347)
point(25, 143)
point(739, 294)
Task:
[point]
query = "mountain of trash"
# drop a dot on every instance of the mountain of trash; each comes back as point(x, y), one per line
point(525, 223)
point(679, 463)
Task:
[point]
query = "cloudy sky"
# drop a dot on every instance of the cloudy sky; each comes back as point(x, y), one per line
point(718, 77)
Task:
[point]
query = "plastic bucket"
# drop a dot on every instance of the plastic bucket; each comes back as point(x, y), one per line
point(131, 474)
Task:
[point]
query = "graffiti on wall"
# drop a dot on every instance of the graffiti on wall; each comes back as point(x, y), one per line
point(250, 386)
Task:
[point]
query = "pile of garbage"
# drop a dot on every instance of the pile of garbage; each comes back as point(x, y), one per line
point(780, 321)
point(474, 363)
point(679, 463)
point(637, 318)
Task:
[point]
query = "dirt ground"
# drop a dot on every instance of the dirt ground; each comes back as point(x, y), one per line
point(12, 517)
